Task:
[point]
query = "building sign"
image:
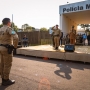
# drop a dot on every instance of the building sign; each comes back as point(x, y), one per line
point(78, 8)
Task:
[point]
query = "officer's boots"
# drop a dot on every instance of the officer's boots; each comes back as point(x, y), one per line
point(56, 48)
point(7, 82)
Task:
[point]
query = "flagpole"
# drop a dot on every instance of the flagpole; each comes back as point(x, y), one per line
point(12, 21)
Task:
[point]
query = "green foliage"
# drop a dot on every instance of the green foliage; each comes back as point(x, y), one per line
point(43, 29)
point(1, 25)
point(29, 28)
point(26, 27)
point(33, 28)
point(14, 27)
point(26, 24)
point(46, 41)
point(84, 25)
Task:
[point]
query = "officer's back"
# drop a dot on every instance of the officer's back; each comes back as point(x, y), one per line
point(8, 37)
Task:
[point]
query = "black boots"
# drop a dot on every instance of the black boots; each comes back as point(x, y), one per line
point(56, 48)
point(7, 82)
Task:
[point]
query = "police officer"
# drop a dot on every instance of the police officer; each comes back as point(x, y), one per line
point(53, 39)
point(7, 37)
point(56, 35)
point(60, 42)
point(72, 36)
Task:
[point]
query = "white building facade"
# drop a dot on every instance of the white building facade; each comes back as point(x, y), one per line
point(74, 14)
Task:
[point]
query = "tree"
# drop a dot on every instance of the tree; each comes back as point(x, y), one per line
point(43, 29)
point(29, 28)
point(85, 26)
point(1, 25)
point(14, 27)
point(33, 28)
point(25, 26)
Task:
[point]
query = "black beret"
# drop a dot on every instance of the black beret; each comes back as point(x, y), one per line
point(6, 20)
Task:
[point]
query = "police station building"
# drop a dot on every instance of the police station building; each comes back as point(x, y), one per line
point(74, 14)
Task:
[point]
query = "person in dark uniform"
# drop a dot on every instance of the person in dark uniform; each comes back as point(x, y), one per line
point(25, 41)
point(88, 38)
point(52, 35)
point(67, 39)
point(61, 39)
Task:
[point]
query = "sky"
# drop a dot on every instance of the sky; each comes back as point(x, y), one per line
point(36, 13)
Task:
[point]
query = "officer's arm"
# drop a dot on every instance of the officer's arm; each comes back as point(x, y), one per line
point(15, 40)
point(15, 37)
point(53, 28)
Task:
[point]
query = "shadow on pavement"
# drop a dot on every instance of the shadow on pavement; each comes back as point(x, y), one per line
point(3, 87)
point(64, 69)
point(67, 64)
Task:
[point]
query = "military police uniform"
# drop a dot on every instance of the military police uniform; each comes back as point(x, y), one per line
point(7, 37)
point(72, 37)
point(56, 35)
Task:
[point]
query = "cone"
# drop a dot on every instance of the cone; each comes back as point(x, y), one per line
point(45, 58)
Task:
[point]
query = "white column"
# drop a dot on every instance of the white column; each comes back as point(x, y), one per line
point(64, 24)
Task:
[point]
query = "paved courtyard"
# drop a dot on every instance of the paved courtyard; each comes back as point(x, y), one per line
point(33, 73)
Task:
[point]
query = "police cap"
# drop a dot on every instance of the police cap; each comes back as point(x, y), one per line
point(73, 26)
point(5, 21)
point(56, 24)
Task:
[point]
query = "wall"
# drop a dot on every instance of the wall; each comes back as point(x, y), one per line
point(66, 24)
point(35, 37)
point(74, 7)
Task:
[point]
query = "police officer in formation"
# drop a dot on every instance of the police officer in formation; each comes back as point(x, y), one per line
point(56, 36)
point(7, 37)
point(72, 36)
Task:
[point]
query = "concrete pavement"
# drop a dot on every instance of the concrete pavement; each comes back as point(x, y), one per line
point(33, 73)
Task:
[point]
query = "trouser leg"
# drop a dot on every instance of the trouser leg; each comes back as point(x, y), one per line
point(88, 42)
point(61, 41)
point(6, 64)
point(71, 41)
point(57, 42)
point(53, 41)
point(83, 41)
point(74, 41)
point(0, 64)
point(24, 44)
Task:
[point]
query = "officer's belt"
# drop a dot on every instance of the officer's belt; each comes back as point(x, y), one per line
point(5, 45)
point(56, 35)
point(9, 47)
point(2, 45)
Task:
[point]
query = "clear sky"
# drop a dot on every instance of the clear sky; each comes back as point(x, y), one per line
point(36, 13)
